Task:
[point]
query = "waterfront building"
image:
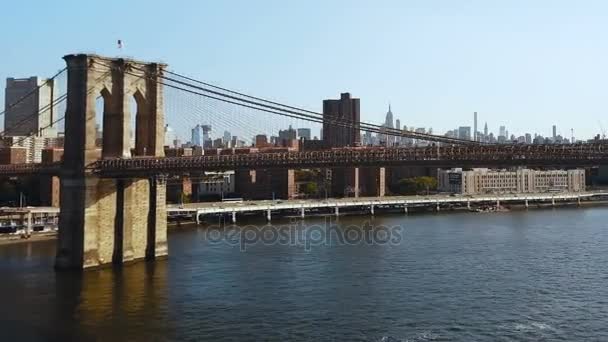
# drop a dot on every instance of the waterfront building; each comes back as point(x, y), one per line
point(488, 181)
point(216, 183)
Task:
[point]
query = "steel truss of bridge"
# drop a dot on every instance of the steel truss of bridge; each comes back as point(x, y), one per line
point(432, 156)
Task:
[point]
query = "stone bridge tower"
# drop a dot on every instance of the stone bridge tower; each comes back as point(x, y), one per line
point(104, 220)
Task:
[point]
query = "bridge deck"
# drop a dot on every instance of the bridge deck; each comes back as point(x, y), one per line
point(432, 156)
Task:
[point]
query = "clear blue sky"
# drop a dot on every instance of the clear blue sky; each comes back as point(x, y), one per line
point(524, 64)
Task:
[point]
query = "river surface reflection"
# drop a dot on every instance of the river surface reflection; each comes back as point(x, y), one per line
point(519, 276)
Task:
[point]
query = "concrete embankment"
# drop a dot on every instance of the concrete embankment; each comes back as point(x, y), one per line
point(483, 208)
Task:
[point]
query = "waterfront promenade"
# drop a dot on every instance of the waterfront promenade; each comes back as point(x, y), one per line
point(26, 219)
point(405, 203)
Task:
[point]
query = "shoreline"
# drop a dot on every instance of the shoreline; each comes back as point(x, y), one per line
point(47, 236)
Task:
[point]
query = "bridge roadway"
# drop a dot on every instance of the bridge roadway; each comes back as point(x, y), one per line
point(198, 210)
point(432, 156)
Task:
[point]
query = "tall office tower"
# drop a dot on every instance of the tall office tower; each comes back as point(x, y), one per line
point(346, 111)
point(475, 126)
point(389, 118)
point(502, 132)
point(169, 136)
point(34, 114)
point(226, 139)
point(304, 133)
point(485, 130)
point(341, 120)
point(388, 123)
point(197, 136)
point(464, 133)
point(287, 136)
point(398, 140)
point(206, 133)
point(554, 132)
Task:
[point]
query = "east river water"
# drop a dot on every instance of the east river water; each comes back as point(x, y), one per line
point(540, 275)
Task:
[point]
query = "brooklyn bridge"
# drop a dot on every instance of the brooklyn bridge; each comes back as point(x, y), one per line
point(112, 204)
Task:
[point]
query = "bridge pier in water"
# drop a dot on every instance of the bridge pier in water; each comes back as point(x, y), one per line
point(107, 220)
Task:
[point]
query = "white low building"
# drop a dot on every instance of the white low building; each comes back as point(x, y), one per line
point(488, 181)
point(217, 183)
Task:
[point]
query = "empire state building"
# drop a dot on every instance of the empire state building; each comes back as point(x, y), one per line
point(388, 123)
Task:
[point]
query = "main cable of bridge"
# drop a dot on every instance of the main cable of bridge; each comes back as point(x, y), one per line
point(33, 91)
point(363, 125)
point(60, 99)
point(309, 115)
point(317, 117)
point(37, 113)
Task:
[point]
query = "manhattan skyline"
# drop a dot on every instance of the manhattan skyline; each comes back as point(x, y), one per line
point(436, 62)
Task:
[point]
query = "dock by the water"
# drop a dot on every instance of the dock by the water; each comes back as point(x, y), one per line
point(26, 221)
point(302, 208)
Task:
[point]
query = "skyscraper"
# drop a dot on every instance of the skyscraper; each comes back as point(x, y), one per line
point(502, 132)
point(346, 113)
point(554, 132)
point(341, 121)
point(226, 139)
point(388, 123)
point(485, 131)
point(389, 118)
point(398, 140)
point(169, 136)
point(206, 134)
point(464, 132)
point(286, 136)
point(304, 133)
point(197, 135)
point(475, 126)
point(34, 114)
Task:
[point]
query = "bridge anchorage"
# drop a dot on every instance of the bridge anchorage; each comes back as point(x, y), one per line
point(102, 220)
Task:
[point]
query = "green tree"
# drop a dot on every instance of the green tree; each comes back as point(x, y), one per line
point(310, 189)
point(425, 184)
point(406, 186)
point(410, 186)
